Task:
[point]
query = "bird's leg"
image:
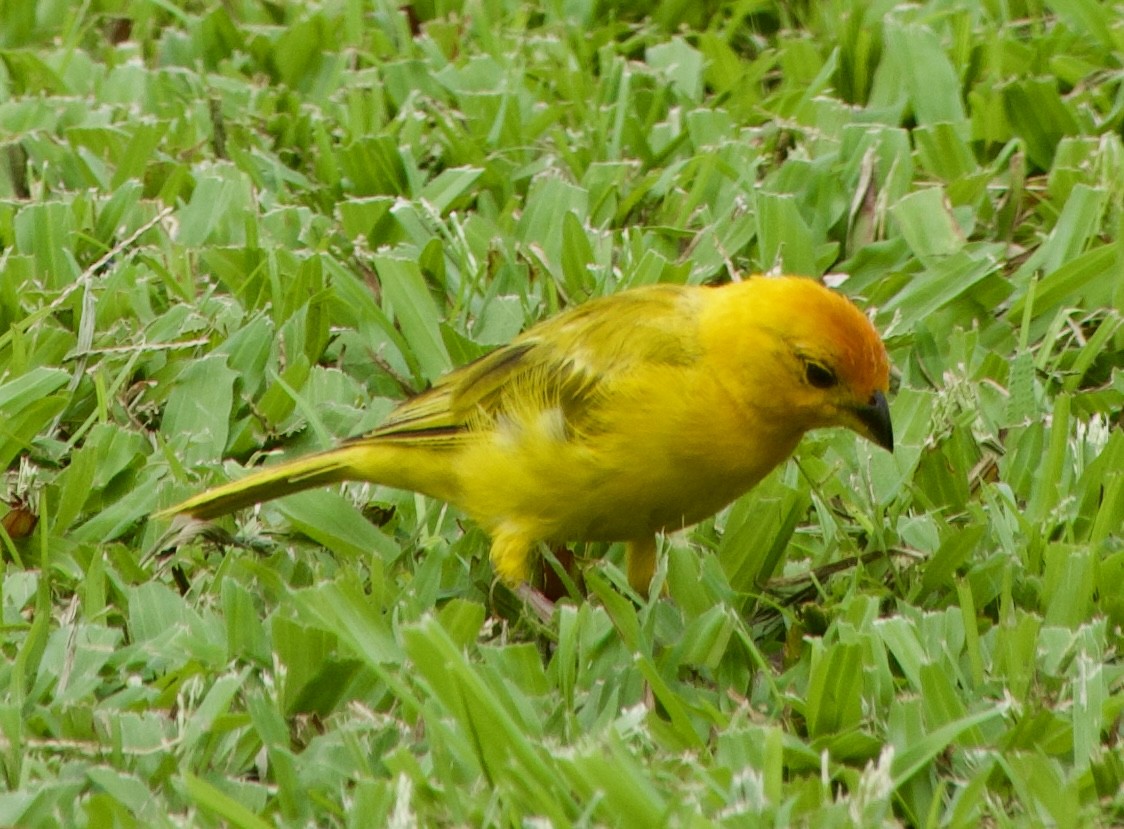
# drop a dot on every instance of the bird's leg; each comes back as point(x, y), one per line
point(640, 560)
point(561, 578)
point(539, 604)
point(510, 554)
point(557, 581)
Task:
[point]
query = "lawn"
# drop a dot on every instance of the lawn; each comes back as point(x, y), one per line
point(233, 230)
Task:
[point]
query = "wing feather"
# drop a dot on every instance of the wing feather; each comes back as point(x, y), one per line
point(574, 362)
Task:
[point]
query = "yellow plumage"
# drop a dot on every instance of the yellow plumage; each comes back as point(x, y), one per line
point(631, 414)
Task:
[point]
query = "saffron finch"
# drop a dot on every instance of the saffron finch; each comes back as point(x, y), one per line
point(644, 411)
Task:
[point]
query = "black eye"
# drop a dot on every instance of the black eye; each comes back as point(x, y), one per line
point(819, 375)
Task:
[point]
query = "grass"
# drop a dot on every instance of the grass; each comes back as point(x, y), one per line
point(229, 229)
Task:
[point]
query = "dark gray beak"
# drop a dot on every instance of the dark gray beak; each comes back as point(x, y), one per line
point(875, 415)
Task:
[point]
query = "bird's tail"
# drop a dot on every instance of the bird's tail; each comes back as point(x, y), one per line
point(331, 466)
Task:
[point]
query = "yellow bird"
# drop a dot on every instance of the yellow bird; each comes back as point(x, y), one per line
point(631, 414)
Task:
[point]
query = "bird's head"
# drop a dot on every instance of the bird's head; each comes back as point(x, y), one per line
point(816, 355)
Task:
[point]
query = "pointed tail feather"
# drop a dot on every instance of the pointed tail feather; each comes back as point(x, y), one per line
point(328, 467)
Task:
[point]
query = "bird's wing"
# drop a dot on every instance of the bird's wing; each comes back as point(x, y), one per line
point(575, 363)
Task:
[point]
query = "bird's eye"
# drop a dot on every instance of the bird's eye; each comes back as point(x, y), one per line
point(819, 375)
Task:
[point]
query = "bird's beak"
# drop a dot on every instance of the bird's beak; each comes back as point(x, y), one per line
point(875, 416)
